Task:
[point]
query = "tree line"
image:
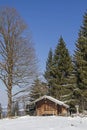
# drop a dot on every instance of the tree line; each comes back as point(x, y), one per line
point(67, 75)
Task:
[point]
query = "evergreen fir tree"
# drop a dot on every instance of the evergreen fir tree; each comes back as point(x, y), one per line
point(62, 69)
point(49, 64)
point(81, 63)
point(59, 72)
point(38, 89)
point(49, 71)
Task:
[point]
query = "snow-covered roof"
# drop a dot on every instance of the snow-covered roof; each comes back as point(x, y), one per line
point(51, 99)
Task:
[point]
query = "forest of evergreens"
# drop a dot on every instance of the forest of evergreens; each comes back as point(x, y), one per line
point(66, 75)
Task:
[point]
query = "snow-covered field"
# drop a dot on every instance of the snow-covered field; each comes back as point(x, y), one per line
point(44, 123)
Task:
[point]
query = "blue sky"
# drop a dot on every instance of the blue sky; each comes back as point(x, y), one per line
point(48, 20)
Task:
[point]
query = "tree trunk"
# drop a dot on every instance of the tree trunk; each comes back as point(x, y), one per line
point(9, 114)
point(9, 102)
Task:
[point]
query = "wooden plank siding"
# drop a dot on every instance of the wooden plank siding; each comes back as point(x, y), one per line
point(47, 107)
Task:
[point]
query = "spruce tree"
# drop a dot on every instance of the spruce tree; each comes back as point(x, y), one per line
point(49, 73)
point(38, 89)
point(62, 70)
point(81, 63)
point(59, 67)
point(49, 68)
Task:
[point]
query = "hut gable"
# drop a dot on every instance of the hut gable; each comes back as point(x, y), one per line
point(53, 100)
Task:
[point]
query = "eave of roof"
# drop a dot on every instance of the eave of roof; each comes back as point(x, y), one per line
point(51, 99)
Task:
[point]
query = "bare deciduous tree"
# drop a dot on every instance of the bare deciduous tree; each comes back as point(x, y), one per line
point(17, 55)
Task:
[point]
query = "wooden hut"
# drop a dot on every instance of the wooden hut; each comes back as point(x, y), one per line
point(48, 105)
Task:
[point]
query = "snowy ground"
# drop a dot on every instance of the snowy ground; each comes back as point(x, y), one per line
point(44, 123)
